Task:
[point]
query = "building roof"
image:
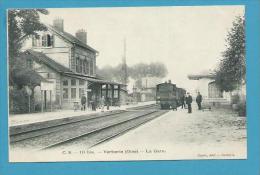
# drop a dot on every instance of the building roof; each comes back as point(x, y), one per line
point(69, 37)
point(41, 57)
point(28, 77)
point(92, 79)
point(204, 74)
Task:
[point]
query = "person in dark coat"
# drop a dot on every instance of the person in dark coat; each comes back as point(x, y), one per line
point(199, 100)
point(183, 100)
point(188, 102)
point(83, 102)
point(108, 102)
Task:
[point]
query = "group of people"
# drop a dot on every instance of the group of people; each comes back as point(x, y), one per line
point(93, 103)
point(187, 99)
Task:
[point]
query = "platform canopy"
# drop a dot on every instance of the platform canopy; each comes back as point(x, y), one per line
point(93, 79)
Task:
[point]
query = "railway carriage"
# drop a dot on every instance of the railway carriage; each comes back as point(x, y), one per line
point(168, 95)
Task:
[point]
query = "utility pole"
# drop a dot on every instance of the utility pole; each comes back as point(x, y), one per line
point(124, 65)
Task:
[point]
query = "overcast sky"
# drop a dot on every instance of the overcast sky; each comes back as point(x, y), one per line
point(186, 39)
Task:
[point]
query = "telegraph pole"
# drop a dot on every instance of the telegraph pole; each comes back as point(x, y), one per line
point(124, 65)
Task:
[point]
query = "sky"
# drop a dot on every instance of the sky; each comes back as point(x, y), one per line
point(187, 40)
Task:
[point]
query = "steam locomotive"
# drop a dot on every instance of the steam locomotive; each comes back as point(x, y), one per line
point(169, 96)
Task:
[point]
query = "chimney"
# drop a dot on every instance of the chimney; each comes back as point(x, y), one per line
point(58, 24)
point(82, 35)
point(169, 81)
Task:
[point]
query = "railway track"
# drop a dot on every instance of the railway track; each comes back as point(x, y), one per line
point(34, 130)
point(87, 133)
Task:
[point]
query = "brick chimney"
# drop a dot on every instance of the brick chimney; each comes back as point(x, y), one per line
point(81, 35)
point(58, 24)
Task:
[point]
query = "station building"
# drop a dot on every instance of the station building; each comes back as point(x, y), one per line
point(68, 65)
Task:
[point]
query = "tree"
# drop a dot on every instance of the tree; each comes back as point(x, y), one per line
point(22, 23)
point(155, 69)
point(232, 68)
point(136, 71)
point(112, 73)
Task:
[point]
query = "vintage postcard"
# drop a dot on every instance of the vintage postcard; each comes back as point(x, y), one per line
point(127, 83)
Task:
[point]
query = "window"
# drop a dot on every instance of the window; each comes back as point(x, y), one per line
point(73, 82)
point(103, 90)
point(81, 82)
point(116, 90)
point(49, 40)
point(65, 82)
point(109, 91)
point(81, 92)
point(116, 93)
point(46, 40)
point(91, 67)
point(65, 93)
point(73, 93)
point(77, 64)
point(87, 67)
point(35, 41)
point(80, 66)
point(84, 66)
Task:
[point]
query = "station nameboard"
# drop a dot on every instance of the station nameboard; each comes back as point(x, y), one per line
point(47, 86)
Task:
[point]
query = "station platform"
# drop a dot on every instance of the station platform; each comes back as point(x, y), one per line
point(25, 119)
point(178, 135)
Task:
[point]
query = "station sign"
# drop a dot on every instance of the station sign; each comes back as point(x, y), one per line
point(47, 86)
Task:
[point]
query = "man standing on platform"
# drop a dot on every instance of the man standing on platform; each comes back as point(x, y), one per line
point(183, 99)
point(199, 100)
point(83, 102)
point(189, 101)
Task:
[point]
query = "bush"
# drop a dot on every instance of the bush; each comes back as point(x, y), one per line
point(242, 109)
point(235, 99)
point(18, 101)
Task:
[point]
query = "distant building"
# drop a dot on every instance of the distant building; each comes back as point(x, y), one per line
point(148, 88)
point(207, 87)
point(211, 93)
point(68, 63)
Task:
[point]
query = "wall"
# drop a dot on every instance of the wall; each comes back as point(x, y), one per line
point(53, 77)
point(202, 87)
point(69, 102)
point(84, 54)
point(60, 51)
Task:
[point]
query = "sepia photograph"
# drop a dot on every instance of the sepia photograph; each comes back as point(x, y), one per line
point(127, 83)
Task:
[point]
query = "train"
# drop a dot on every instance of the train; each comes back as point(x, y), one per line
point(169, 96)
